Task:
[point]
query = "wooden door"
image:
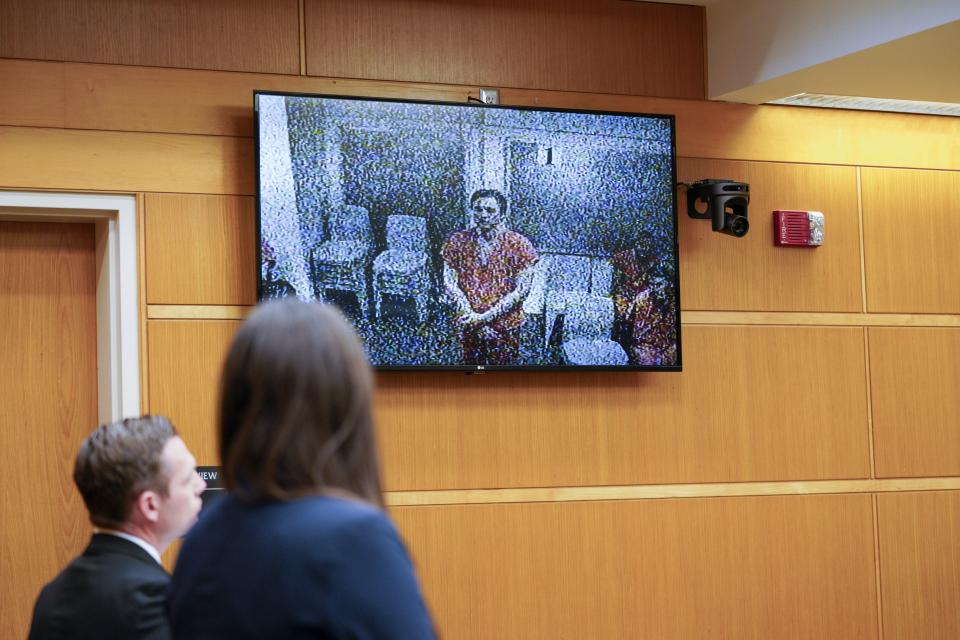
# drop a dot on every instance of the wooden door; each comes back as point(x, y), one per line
point(48, 403)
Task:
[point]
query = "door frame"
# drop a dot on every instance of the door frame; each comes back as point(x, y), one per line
point(115, 231)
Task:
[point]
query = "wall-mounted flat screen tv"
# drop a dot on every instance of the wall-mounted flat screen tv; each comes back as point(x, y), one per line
point(474, 237)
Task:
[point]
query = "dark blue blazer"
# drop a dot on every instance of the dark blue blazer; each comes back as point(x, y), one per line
point(316, 567)
point(114, 590)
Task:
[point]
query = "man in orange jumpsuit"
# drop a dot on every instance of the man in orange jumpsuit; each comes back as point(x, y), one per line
point(487, 273)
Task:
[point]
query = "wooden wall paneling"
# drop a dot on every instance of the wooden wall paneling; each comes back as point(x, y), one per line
point(920, 565)
point(48, 382)
point(197, 312)
point(575, 45)
point(779, 133)
point(910, 226)
point(110, 97)
point(33, 93)
point(719, 272)
point(117, 98)
point(234, 35)
point(800, 134)
point(120, 98)
point(200, 249)
point(744, 568)
point(204, 102)
point(34, 158)
point(749, 567)
point(914, 377)
point(753, 403)
point(185, 357)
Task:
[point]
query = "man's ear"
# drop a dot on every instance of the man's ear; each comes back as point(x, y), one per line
point(147, 506)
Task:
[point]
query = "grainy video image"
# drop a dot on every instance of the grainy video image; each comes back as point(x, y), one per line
point(457, 235)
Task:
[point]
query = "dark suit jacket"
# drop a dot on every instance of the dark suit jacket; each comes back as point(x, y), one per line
point(114, 590)
point(316, 567)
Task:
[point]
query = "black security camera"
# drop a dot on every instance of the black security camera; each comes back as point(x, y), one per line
point(726, 205)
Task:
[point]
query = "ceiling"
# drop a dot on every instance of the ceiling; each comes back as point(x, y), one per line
point(762, 50)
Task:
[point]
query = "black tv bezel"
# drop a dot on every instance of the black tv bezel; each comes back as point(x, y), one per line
point(475, 104)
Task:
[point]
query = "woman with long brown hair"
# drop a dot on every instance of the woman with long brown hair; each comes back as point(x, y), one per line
point(300, 546)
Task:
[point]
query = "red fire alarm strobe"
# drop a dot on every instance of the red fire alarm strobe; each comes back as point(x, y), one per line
point(797, 228)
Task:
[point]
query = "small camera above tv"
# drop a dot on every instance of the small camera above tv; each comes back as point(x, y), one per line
point(472, 236)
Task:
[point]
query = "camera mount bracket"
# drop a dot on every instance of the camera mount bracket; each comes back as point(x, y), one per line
point(726, 204)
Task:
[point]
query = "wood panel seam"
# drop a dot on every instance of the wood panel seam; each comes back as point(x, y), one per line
point(802, 318)
point(303, 38)
point(141, 132)
point(666, 491)
point(803, 163)
point(142, 295)
point(863, 258)
point(706, 55)
point(705, 318)
point(871, 441)
point(877, 569)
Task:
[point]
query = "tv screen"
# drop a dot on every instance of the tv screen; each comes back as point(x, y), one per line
point(471, 236)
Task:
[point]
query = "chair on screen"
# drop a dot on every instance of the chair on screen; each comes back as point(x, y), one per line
point(403, 270)
point(587, 328)
point(340, 262)
point(566, 278)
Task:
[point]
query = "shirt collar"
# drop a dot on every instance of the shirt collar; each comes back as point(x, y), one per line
point(140, 542)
